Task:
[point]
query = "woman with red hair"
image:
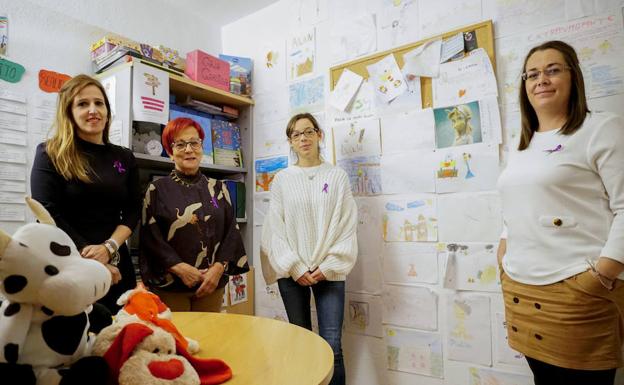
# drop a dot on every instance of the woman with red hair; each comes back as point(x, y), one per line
point(189, 238)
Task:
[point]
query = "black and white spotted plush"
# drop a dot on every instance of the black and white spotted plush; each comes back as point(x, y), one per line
point(48, 291)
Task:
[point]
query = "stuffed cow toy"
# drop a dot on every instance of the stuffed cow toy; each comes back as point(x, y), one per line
point(48, 290)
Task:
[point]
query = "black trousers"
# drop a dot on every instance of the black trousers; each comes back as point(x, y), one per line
point(547, 374)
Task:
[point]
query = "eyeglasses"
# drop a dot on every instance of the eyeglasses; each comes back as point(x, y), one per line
point(550, 72)
point(180, 145)
point(308, 133)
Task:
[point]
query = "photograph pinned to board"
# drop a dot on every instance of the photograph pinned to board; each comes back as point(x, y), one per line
point(473, 167)
point(363, 314)
point(458, 125)
point(407, 263)
point(345, 90)
point(307, 95)
point(413, 351)
point(411, 218)
point(301, 54)
point(472, 266)
point(238, 289)
point(266, 169)
point(408, 131)
point(387, 78)
point(468, 79)
point(410, 306)
point(357, 138)
point(364, 174)
point(408, 172)
point(468, 328)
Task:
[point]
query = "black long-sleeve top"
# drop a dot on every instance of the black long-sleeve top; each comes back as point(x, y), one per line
point(90, 212)
point(188, 220)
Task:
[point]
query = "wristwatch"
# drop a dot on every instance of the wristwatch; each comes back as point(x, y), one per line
point(225, 265)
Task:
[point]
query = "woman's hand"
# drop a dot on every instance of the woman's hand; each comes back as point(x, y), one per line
point(609, 268)
point(189, 275)
point(97, 252)
point(318, 275)
point(306, 279)
point(115, 273)
point(502, 249)
point(210, 278)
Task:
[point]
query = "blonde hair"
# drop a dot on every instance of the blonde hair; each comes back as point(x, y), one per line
point(61, 147)
point(463, 111)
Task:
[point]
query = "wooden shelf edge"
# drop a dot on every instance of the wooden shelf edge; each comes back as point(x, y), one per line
point(160, 161)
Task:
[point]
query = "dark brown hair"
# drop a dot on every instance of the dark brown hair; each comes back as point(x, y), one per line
point(305, 115)
point(577, 104)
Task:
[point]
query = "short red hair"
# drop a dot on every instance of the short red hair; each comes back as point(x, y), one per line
point(173, 128)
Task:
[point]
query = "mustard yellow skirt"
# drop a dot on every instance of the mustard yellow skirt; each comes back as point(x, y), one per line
point(575, 323)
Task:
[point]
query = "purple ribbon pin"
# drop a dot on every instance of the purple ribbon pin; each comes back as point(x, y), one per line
point(558, 148)
point(325, 186)
point(119, 167)
point(214, 202)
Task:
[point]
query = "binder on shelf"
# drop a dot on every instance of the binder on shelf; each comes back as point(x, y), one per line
point(226, 143)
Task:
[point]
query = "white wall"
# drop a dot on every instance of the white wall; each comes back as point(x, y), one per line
point(365, 356)
point(56, 36)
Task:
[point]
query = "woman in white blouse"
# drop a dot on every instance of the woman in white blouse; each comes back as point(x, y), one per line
point(563, 206)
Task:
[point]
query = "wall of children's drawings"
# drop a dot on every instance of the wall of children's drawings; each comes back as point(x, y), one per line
point(423, 302)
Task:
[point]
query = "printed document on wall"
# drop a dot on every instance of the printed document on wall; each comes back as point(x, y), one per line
point(150, 94)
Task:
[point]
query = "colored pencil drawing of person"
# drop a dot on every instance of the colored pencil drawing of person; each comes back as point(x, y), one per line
point(309, 242)
point(562, 252)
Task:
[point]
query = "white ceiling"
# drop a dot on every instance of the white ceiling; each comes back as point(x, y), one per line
point(223, 12)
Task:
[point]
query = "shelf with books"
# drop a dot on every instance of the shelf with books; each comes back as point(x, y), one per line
point(166, 163)
point(121, 79)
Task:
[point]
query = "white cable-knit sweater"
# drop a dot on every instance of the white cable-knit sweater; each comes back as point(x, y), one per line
point(312, 222)
point(563, 201)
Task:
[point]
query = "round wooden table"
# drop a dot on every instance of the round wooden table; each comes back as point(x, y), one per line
point(260, 351)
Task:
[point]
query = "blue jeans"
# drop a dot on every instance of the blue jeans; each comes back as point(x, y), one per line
point(330, 300)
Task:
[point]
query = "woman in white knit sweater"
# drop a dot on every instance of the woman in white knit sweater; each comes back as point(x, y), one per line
point(563, 205)
point(309, 239)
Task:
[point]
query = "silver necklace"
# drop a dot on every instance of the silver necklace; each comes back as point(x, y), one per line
point(310, 175)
